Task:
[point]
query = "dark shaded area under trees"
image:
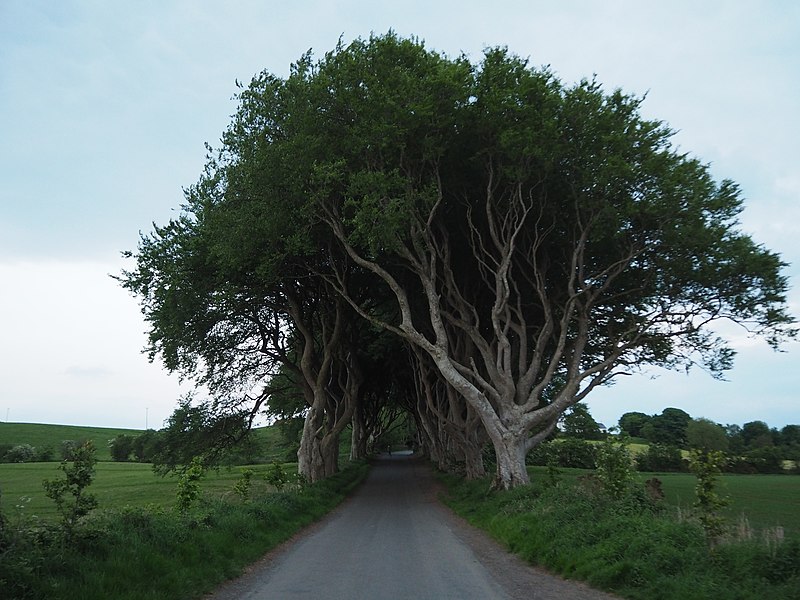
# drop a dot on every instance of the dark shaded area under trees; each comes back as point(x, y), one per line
point(478, 245)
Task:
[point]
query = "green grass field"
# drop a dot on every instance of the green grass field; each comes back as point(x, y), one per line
point(115, 485)
point(764, 500)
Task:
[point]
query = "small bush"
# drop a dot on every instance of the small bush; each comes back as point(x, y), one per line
point(277, 476)
point(189, 485)
point(614, 468)
point(21, 453)
point(70, 495)
point(566, 453)
point(706, 466)
point(242, 487)
point(660, 457)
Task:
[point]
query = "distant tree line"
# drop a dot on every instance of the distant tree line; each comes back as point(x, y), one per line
point(750, 448)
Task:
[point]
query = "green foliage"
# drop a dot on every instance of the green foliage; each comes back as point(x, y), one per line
point(659, 457)
point(578, 423)
point(706, 435)
point(197, 431)
point(767, 459)
point(756, 434)
point(631, 423)
point(615, 467)
point(72, 500)
point(565, 452)
point(706, 466)
point(20, 454)
point(276, 476)
point(121, 447)
point(189, 485)
point(244, 484)
point(667, 428)
point(146, 445)
point(385, 162)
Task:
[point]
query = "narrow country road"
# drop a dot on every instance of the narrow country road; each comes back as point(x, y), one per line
point(394, 541)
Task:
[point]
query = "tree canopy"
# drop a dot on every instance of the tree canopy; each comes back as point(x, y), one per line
point(523, 240)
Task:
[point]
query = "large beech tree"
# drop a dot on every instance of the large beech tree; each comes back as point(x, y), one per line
point(530, 240)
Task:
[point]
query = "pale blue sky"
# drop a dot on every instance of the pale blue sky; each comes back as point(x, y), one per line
point(105, 106)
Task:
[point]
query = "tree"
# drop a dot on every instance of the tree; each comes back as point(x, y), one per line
point(21, 453)
point(146, 445)
point(667, 428)
point(705, 435)
point(632, 423)
point(660, 458)
point(197, 432)
point(735, 441)
point(69, 493)
point(578, 423)
point(532, 240)
point(121, 447)
point(756, 434)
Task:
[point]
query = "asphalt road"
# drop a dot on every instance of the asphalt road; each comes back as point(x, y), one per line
point(394, 541)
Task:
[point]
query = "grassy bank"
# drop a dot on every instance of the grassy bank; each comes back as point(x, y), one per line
point(631, 547)
point(158, 553)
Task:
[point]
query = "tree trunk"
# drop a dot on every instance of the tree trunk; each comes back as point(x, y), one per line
point(317, 457)
point(473, 461)
point(510, 451)
point(358, 442)
point(310, 462)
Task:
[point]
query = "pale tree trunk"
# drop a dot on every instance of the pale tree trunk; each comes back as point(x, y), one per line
point(314, 458)
point(473, 456)
point(318, 454)
point(358, 442)
point(510, 451)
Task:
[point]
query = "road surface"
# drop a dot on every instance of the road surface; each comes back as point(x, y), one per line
point(392, 540)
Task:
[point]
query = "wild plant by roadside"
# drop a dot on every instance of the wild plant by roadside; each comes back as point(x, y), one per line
point(615, 467)
point(706, 467)
point(189, 485)
point(69, 493)
point(276, 476)
point(243, 485)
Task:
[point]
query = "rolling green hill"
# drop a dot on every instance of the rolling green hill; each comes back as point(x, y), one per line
point(269, 439)
point(39, 436)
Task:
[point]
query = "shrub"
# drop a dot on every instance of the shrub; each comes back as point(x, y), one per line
point(706, 466)
point(77, 477)
point(45, 454)
point(660, 457)
point(189, 485)
point(276, 476)
point(615, 468)
point(242, 487)
point(21, 453)
point(121, 447)
point(566, 453)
